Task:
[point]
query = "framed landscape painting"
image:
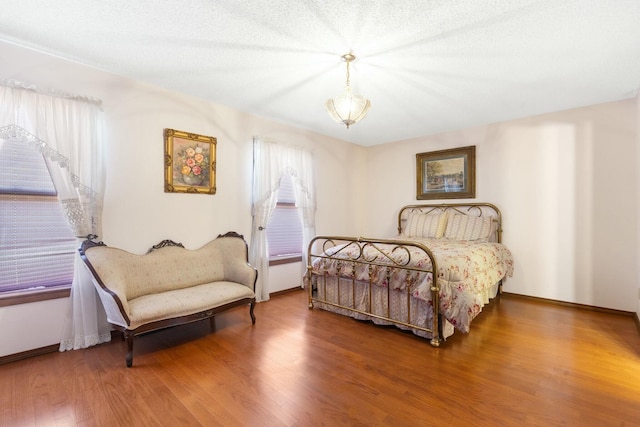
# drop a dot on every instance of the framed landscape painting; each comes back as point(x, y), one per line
point(446, 174)
point(190, 162)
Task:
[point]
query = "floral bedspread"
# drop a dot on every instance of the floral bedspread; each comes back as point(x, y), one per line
point(467, 272)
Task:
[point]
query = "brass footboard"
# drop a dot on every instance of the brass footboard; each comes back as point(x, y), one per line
point(371, 263)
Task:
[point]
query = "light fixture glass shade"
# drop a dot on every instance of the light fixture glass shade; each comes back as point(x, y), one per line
point(348, 108)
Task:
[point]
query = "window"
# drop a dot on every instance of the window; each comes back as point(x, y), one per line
point(37, 246)
point(284, 231)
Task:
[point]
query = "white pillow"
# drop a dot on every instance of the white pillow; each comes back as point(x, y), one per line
point(425, 225)
point(465, 227)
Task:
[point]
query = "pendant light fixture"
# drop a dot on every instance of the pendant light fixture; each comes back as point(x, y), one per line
point(348, 108)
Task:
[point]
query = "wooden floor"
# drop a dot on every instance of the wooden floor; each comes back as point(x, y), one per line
point(524, 363)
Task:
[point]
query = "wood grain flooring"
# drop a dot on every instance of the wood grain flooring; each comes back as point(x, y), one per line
point(525, 363)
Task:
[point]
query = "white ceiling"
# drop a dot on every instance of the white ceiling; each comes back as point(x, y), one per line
point(428, 66)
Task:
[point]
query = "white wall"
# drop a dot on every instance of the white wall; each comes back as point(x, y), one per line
point(30, 326)
point(566, 183)
point(285, 276)
point(137, 212)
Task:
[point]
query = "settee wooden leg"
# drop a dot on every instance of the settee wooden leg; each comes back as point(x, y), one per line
point(129, 357)
point(253, 316)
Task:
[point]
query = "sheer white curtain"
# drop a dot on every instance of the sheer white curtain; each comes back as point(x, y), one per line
point(304, 188)
point(69, 131)
point(270, 161)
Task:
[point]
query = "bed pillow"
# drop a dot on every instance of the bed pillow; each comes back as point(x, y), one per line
point(425, 225)
point(465, 227)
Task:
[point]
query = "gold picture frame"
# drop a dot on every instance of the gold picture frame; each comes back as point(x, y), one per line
point(446, 174)
point(190, 162)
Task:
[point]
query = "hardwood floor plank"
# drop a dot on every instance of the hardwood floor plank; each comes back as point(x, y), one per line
point(525, 363)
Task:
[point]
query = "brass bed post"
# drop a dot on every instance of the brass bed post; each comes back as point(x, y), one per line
point(309, 275)
point(388, 292)
point(499, 229)
point(353, 285)
point(409, 281)
point(338, 268)
point(310, 256)
point(370, 271)
point(435, 301)
point(309, 283)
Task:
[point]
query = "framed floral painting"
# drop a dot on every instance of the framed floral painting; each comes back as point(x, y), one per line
point(190, 162)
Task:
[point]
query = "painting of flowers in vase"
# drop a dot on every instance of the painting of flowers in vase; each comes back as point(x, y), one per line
point(190, 162)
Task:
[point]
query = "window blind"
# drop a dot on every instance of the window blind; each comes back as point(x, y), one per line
point(37, 246)
point(284, 231)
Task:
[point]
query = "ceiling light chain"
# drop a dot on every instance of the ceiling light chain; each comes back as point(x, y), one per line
point(348, 58)
point(347, 108)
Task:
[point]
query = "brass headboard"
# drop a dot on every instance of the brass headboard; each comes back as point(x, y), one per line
point(475, 209)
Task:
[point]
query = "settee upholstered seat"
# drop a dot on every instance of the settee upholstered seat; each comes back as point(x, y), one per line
point(170, 285)
point(183, 302)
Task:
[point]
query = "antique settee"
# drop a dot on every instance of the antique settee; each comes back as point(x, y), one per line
point(170, 285)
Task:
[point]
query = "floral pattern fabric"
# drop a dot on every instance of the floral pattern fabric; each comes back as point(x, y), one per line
point(467, 272)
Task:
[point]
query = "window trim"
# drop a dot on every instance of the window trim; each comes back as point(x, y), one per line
point(279, 260)
point(286, 205)
point(24, 297)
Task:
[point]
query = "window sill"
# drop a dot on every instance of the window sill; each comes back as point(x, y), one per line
point(24, 297)
point(285, 260)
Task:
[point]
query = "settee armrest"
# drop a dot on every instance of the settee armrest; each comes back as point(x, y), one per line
point(242, 273)
point(236, 260)
point(114, 296)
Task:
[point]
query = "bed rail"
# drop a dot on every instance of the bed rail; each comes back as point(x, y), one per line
point(341, 256)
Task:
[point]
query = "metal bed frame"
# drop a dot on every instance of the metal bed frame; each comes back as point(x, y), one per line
point(394, 254)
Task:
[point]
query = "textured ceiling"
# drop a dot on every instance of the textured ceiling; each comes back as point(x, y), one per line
point(426, 66)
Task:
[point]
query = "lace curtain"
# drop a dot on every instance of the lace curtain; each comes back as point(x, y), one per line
point(68, 130)
point(270, 162)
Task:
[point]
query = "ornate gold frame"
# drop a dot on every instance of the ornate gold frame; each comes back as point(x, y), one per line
point(190, 162)
point(446, 174)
